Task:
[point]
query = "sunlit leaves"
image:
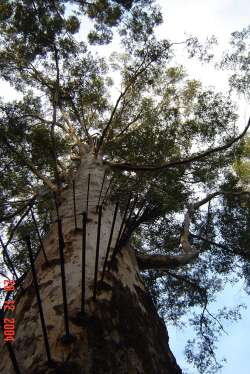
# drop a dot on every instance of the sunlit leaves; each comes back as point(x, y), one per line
point(237, 60)
point(242, 164)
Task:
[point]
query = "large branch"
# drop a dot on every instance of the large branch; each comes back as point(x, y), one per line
point(206, 199)
point(163, 262)
point(39, 175)
point(176, 163)
point(190, 254)
point(82, 123)
point(70, 130)
point(184, 240)
point(215, 194)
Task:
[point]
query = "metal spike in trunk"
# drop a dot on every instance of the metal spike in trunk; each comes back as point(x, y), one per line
point(121, 331)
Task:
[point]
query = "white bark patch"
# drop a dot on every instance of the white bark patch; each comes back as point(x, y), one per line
point(28, 326)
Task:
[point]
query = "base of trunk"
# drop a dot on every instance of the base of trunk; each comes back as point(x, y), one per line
point(121, 333)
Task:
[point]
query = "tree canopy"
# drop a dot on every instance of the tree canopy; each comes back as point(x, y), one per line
point(168, 139)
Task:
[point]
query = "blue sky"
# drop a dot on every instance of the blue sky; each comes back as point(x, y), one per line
point(204, 18)
point(233, 346)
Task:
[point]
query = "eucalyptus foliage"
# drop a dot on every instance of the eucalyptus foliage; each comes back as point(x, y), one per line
point(159, 117)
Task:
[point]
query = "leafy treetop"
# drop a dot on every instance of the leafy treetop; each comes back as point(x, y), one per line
point(166, 137)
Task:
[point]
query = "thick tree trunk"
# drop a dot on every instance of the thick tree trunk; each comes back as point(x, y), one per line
point(121, 331)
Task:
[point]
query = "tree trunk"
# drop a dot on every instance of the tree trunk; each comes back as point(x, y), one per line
point(120, 331)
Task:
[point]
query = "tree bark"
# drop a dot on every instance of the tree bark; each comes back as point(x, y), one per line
point(163, 262)
point(120, 332)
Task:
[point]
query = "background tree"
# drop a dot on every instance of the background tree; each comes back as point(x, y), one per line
point(165, 137)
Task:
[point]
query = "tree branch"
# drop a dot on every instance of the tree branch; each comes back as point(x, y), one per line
point(176, 163)
point(71, 130)
point(82, 124)
point(137, 73)
point(184, 240)
point(206, 199)
point(30, 165)
point(218, 193)
point(128, 125)
point(18, 223)
point(19, 210)
point(222, 246)
point(164, 262)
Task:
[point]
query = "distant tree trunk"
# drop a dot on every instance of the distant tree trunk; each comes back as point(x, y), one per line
point(121, 331)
